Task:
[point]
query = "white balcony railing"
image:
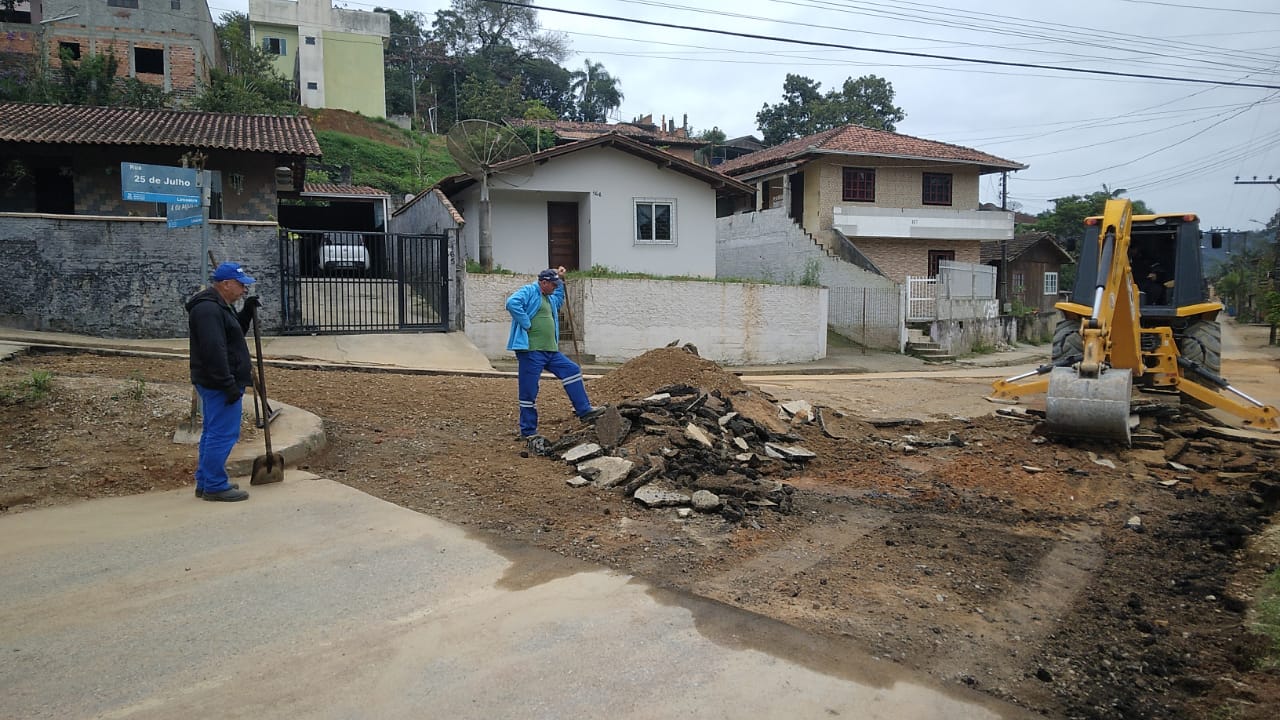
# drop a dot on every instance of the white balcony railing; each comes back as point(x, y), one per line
point(857, 221)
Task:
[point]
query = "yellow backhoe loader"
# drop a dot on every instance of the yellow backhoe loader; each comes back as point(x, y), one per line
point(1139, 316)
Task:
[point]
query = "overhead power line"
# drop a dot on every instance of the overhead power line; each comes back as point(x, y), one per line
point(931, 56)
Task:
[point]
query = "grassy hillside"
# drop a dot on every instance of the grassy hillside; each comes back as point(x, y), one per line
point(380, 154)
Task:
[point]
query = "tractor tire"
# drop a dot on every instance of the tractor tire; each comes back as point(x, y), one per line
point(1201, 343)
point(1067, 342)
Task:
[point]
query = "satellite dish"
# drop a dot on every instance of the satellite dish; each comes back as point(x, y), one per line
point(486, 152)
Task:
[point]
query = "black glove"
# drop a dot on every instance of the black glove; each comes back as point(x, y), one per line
point(233, 394)
point(252, 303)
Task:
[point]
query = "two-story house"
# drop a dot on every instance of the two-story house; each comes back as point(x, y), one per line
point(901, 204)
point(166, 43)
point(333, 56)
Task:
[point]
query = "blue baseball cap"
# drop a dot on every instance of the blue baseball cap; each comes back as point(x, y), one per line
point(548, 274)
point(232, 271)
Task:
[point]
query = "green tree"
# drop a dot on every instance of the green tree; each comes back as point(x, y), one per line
point(90, 80)
point(479, 27)
point(490, 99)
point(805, 110)
point(407, 57)
point(1066, 219)
point(714, 137)
point(249, 83)
point(596, 92)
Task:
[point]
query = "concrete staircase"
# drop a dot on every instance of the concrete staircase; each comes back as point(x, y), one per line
point(920, 345)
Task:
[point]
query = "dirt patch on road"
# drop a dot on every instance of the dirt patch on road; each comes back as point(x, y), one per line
point(970, 548)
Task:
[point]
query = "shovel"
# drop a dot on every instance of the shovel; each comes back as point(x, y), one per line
point(267, 468)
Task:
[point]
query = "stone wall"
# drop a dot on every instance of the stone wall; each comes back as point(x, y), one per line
point(122, 277)
point(729, 323)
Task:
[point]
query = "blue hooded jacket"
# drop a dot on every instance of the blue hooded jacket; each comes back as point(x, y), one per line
point(523, 305)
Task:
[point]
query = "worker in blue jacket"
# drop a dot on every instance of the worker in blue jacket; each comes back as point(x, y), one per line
point(535, 338)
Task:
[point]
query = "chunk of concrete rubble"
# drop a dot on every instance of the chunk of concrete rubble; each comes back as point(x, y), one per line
point(578, 481)
point(1093, 457)
point(742, 444)
point(653, 496)
point(1178, 466)
point(1032, 469)
point(684, 513)
point(611, 427)
point(789, 452)
point(744, 457)
point(706, 501)
point(694, 433)
point(656, 398)
point(585, 451)
point(724, 419)
point(1134, 523)
point(1170, 483)
point(797, 409)
point(609, 471)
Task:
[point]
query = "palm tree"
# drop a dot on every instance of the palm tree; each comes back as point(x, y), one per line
point(596, 92)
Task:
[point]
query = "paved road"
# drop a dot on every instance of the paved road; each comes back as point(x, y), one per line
point(314, 600)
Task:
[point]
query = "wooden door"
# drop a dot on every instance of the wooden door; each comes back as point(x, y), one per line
point(562, 235)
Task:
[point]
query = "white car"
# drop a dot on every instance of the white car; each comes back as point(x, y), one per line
point(345, 251)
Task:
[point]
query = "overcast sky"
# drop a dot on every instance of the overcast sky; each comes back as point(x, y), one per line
point(1179, 146)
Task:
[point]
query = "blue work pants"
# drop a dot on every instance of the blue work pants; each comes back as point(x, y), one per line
point(219, 434)
point(532, 363)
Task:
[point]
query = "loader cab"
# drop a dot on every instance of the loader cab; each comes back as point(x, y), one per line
point(1166, 245)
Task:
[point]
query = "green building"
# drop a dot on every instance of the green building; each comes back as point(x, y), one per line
point(333, 56)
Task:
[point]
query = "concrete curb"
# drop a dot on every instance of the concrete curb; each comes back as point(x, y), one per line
point(295, 433)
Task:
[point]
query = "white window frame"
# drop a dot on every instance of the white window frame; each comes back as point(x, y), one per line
point(636, 203)
point(1051, 283)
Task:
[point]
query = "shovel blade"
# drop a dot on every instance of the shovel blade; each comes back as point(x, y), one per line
point(267, 469)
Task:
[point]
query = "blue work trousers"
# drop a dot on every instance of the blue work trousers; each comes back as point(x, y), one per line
point(219, 434)
point(532, 363)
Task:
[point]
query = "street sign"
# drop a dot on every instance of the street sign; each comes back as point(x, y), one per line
point(159, 183)
point(180, 215)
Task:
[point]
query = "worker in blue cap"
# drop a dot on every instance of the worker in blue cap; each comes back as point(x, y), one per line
point(220, 371)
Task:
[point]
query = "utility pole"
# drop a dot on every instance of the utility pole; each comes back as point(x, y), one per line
point(1004, 245)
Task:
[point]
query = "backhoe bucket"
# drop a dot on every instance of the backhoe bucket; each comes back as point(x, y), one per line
point(1089, 407)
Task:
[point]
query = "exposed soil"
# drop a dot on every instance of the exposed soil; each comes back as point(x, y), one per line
point(345, 121)
point(966, 546)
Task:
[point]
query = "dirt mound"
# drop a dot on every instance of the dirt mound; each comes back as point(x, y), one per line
point(349, 123)
point(640, 376)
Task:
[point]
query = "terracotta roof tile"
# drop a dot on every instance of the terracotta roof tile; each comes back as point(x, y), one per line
point(858, 140)
point(572, 130)
point(81, 125)
point(335, 189)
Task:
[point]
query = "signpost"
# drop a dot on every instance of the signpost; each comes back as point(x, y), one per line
point(185, 193)
point(159, 183)
point(182, 215)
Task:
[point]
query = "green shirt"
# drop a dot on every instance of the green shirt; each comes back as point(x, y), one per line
point(542, 330)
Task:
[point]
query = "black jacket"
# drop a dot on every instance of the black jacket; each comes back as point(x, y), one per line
point(219, 353)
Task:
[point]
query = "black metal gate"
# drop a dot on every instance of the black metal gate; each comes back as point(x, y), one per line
point(343, 282)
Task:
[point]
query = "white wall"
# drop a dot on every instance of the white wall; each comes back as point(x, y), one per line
point(730, 323)
point(604, 182)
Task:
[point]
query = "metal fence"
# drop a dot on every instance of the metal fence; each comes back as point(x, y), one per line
point(871, 317)
point(966, 281)
point(922, 295)
point(361, 282)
